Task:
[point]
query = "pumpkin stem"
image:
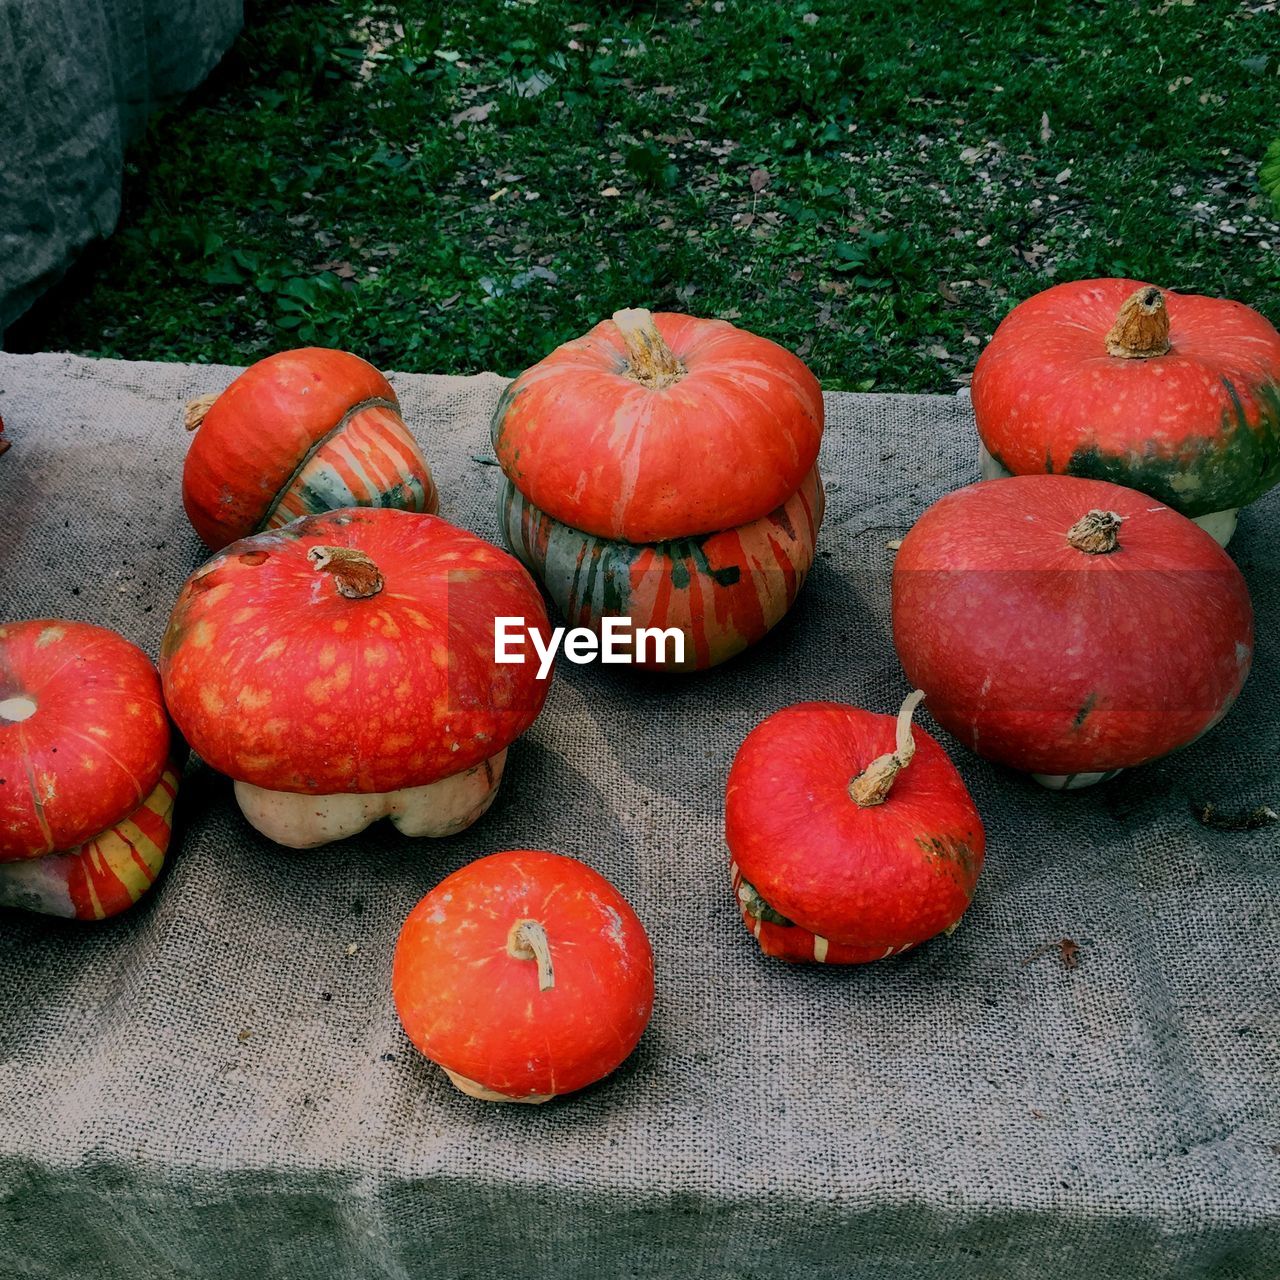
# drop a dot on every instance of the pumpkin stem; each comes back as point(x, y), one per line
point(871, 786)
point(528, 941)
point(1096, 533)
point(196, 409)
point(649, 360)
point(1141, 329)
point(356, 575)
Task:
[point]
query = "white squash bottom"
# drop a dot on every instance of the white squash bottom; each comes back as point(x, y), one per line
point(440, 808)
point(39, 884)
point(1073, 781)
point(474, 1090)
point(1219, 525)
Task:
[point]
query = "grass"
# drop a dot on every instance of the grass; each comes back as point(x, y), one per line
point(450, 188)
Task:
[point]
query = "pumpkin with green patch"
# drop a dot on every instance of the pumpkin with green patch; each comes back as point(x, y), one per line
point(1175, 395)
point(664, 469)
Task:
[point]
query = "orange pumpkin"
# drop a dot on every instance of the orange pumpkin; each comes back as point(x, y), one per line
point(663, 468)
point(86, 784)
point(1172, 394)
point(524, 975)
point(299, 433)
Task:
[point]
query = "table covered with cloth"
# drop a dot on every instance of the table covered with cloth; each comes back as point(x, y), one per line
point(215, 1084)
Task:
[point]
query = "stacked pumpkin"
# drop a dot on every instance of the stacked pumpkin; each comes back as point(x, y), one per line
point(1068, 626)
point(87, 785)
point(663, 469)
point(341, 670)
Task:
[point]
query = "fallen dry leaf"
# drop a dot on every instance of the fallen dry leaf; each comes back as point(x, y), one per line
point(1207, 815)
point(1068, 951)
point(473, 115)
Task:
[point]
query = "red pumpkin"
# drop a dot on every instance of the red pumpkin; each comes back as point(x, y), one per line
point(852, 837)
point(1172, 394)
point(524, 975)
point(299, 433)
point(663, 468)
point(342, 669)
point(1069, 627)
point(86, 798)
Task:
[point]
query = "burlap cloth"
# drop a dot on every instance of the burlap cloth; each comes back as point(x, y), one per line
point(216, 1085)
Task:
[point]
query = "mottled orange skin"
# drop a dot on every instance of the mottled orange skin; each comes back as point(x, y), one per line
point(597, 450)
point(868, 882)
point(278, 680)
point(476, 1010)
point(96, 745)
point(1197, 427)
point(260, 429)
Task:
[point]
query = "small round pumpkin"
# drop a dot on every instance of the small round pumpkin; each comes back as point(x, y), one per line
point(1175, 395)
point(86, 785)
point(664, 468)
point(524, 975)
point(1068, 627)
point(342, 669)
point(299, 433)
point(852, 837)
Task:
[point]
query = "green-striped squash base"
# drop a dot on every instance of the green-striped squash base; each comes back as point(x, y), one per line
point(723, 590)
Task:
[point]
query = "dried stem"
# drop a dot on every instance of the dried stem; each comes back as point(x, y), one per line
point(196, 409)
point(1096, 533)
point(357, 576)
point(871, 786)
point(528, 941)
point(649, 360)
point(1141, 329)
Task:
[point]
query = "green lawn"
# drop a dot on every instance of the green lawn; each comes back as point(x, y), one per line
point(450, 188)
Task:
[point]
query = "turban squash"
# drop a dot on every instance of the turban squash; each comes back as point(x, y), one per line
point(664, 468)
point(1068, 627)
point(852, 836)
point(87, 785)
point(341, 670)
point(1175, 395)
point(299, 433)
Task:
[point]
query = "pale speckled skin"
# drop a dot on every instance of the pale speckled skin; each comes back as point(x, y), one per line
point(279, 680)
